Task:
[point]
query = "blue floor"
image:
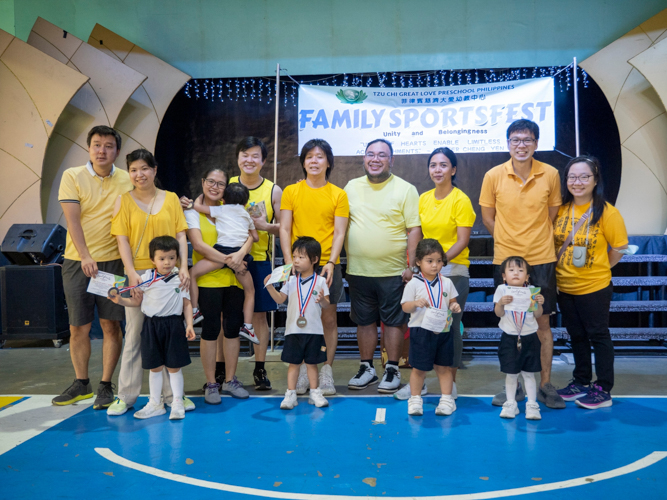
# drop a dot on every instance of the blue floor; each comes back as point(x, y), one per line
point(340, 451)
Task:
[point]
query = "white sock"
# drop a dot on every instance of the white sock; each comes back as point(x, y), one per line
point(177, 384)
point(248, 325)
point(531, 386)
point(155, 385)
point(511, 382)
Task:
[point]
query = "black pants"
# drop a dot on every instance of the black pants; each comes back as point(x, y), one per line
point(586, 318)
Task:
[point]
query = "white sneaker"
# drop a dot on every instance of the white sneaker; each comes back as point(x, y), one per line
point(403, 394)
point(197, 316)
point(150, 410)
point(302, 383)
point(315, 398)
point(290, 400)
point(327, 381)
point(177, 411)
point(188, 405)
point(533, 411)
point(415, 405)
point(446, 406)
point(118, 407)
point(510, 410)
point(455, 393)
point(364, 377)
point(391, 380)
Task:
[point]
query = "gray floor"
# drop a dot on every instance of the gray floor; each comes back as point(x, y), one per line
point(39, 368)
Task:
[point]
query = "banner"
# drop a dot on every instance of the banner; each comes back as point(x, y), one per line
point(464, 118)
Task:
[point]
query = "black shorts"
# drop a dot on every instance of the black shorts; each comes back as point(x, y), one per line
point(163, 343)
point(336, 290)
point(300, 347)
point(428, 349)
point(81, 304)
point(513, 361)
point(227, 301)
point(542, 275)
point(373, 299)
point(260, 269)
point(230, 250)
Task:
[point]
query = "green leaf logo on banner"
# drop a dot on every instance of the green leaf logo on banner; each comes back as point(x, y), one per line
point(350, 96)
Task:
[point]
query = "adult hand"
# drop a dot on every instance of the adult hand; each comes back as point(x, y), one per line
point(260, 223)
point(89, 267)
point(134, 279)
point(327, 273)
point(406, 275)
point(236, 262)
point(186, 203)
point(184, 276)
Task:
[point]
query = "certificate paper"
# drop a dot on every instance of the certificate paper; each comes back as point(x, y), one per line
point(523, 298)
point(279, 274)
point(104, 281)
point(437, 320)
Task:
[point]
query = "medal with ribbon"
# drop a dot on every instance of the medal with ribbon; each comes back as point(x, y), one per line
point(301, 321)
point(431, 296)
point(518, 318)
point(437, 318)
point(154, 278)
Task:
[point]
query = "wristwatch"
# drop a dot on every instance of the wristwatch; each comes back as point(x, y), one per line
point(414, 269)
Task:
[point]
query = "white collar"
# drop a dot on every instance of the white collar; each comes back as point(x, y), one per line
point(92, 172)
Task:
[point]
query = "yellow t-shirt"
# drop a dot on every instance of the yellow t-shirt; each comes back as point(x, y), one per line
point(261, 250)
point(130, 221)
point(220, 278)
point(97, 196)
point(522, 225)
point(596, 273)
point(314, 212)
point(380, 215)
point(441, 218)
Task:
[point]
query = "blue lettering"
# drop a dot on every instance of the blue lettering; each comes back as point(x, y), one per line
point(395, 117)
point(378, 116)
point(321, 120)
point(496, 112)
point(340, 119)
point(305, 117)
point(356, 118)
point(543, 109)
point(512, 111)
point(448, 115)
point(429, 113)
point(410, 115)
point(482, 119)
point(364, 120)
point(526, 110)
point(466, 111)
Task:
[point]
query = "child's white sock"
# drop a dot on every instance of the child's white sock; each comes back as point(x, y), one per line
point(177, 383)
point(248, 325)
point(155, 385)
point(511, 382)
point(531, 386)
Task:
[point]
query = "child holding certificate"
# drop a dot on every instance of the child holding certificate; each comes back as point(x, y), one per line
point(517, 305)
point(304, 336)
point(430, 299)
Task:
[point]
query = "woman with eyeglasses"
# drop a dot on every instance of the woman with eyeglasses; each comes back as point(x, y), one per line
point(588, 233)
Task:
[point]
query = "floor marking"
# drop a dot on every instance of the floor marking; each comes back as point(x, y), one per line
point(380, 414)
point(642, 463)
point(8, 402)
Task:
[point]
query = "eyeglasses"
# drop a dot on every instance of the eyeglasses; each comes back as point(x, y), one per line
point(571, 179)
point(515, 141)
point(211, 183)
point(379, 156)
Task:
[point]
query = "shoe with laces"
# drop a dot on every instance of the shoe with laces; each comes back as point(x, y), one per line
point(290, 400)
point(548, 395)
point(573, 391)
point(403, 394)
point(446, 406)
point(197, 316)
point(188, 405)
point(249, 333)
point(104, 396)
point(150, 410)
point(75, 392)
point(316, 398)
point(415, 406)
point(235, 389)
point(212, 394)
point(533, 411)
point(364, 377)
point(391, 380)
point(302, 383)
point(262, 383)
point(326, 381)
point(177, 411)
point(595, 398)
point(118, 407)
point(510, 410)
point(500, 398)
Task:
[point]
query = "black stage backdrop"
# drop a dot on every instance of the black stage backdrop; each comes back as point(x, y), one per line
point(197, 134)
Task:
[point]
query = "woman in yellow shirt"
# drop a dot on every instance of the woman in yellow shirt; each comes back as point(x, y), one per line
point(139, 216)
point(583, 276)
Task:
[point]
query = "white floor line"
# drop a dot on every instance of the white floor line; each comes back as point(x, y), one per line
point(581, 481)
point(429, 395)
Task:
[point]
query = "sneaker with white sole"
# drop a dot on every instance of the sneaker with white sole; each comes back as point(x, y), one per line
point(455, 393)
point(235, 389)
point(302, 383)
point(290, 400)
point(510, 410)
point(403, 394)
point(415, 405)
point(595, 398)
point(150, 410)
point(364, 377)
point(197, 316)
point(316, 398)
point(327, 381)
point(533, 411)
point(118, 407)
point(188, 405)
point(391, 380)
point(249, 333)
point(177, 411)
point(212, 394)
point(446, 406)
point(573, 391)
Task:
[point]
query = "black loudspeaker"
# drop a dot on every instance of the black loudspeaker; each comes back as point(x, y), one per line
point(29, 244)
point(33, 303)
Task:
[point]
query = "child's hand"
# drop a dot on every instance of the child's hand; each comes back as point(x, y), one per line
point(190, 333)
point(539, 298)
point(455, 307)
point(114, 298)
point(505, 299)
point(267, 279)
point(422, 303)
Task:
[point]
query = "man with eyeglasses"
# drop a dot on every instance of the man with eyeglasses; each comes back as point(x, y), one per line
point(520, 200)
point(384, 223)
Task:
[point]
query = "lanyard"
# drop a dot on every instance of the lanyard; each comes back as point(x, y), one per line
point(155, 277)
point(588, 223)
point(431, 296)
point(303, 303)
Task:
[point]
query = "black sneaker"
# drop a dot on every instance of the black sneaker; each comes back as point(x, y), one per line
point(75, 392)
point(104, 396)
point(261, 382)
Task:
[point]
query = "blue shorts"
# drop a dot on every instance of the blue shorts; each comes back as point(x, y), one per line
point(428, 349)
point(259, 270)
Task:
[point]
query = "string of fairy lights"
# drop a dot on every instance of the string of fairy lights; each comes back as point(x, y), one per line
point(263, 89)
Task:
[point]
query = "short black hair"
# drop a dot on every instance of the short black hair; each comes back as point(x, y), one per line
point(209, 171)
point(517, 261)
point(324, 146)
point(427, 246)
point(310, 246)
point(391, 149)
point(236, 194)
point(250, 142)
point(103, 131)
point(451, 156)
point(521, 125)
point(141, 154)
point(164, 244)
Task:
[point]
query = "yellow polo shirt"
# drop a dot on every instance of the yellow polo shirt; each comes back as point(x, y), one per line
point(96, 196)
point(522, 225)
point(260, 250)
point(441, 218)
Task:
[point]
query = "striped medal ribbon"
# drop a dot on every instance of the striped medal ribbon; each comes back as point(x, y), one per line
point(431, 296)
point(518, 318)
point(154, 278)
point(301, 321)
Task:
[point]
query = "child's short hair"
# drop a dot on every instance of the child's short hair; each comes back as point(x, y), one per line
point(164, 244)
point(236, 194)
point(428, 246)
point(517, 261)
point(310, 246)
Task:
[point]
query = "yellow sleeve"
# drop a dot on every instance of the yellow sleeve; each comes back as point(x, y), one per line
point(342, 205)
point(120, 223)
point(613, 227)
point(411, 208)
point(464, 215)
point(555, 199)
point(287, 202)
point(487, 195)
point(68, 192)
point(179, 218)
